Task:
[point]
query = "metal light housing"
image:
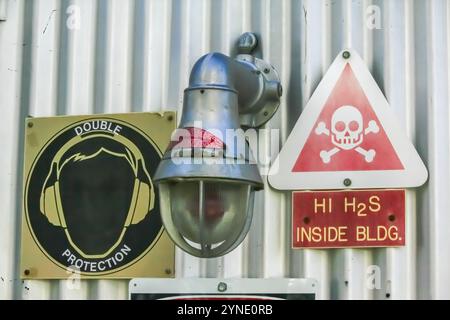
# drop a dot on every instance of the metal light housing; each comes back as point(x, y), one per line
point(206, 186)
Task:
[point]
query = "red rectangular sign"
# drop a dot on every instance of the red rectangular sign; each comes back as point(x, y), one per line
point(337, 219)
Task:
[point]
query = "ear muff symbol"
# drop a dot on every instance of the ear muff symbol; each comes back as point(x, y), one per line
point(50, 205)
point(142, 199)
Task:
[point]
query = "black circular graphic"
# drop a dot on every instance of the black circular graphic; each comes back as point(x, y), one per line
point(90, 202)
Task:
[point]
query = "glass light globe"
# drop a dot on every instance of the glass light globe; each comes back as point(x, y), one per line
point(206, 218)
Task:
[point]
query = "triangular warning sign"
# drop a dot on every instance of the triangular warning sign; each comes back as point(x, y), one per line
point(347, 115)
point(347, 132)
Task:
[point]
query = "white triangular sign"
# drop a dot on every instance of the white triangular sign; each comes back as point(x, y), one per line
point(347, 137)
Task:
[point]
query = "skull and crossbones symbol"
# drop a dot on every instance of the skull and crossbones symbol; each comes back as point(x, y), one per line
point(347, 133)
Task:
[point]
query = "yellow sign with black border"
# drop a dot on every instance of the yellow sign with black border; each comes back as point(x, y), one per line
point(89, 204)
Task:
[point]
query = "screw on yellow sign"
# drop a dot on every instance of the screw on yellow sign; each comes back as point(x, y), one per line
point(90, 206)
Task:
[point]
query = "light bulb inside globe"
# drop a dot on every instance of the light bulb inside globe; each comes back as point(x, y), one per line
point(206, 218)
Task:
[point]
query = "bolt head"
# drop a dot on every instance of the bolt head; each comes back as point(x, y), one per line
point(347, 182)
point(346, 54)
point(222, 287)
point(280, 90)
point(247, 43)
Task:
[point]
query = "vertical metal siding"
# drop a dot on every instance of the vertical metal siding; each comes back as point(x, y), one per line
point(137, 55)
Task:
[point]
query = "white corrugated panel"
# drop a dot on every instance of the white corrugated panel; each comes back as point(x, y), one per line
point(84, 56)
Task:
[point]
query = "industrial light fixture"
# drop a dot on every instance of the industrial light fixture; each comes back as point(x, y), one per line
point(207, 186)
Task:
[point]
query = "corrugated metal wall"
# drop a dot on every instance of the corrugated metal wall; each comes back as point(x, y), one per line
point(123, 55)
